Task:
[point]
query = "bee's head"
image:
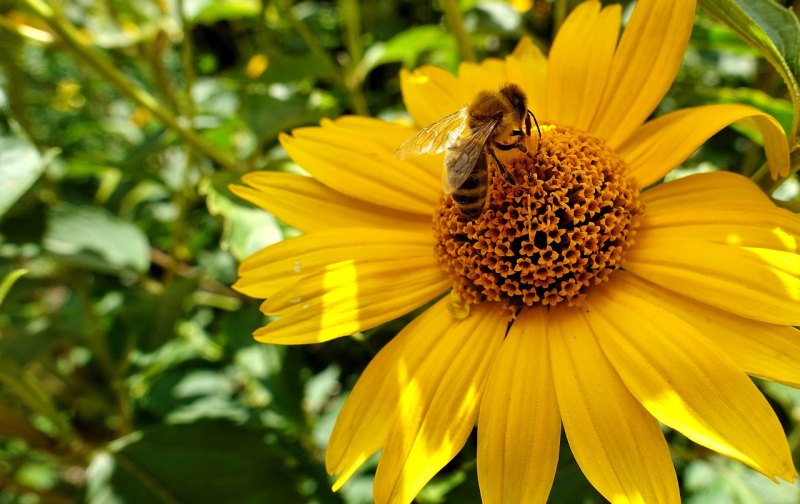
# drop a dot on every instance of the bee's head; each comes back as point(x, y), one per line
point(517, 98)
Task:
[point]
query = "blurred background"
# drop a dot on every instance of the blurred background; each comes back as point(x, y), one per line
point(127, 369)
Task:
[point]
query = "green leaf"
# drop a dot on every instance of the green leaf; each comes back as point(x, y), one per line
point(207, 461)
point(773, 30)
point(722, 480)
point(211, 11)
point(407, 48)
point(20, 166)
point(8, 282)
point(27, 388)
point(94, 238)
point(149, 319)
point(247, 229)
point(183, 396)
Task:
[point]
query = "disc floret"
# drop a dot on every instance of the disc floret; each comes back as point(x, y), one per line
point(562, 228)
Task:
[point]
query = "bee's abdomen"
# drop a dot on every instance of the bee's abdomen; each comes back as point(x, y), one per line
point(470, 198)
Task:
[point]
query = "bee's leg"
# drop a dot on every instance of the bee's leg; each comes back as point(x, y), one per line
point(507, 147)
point(506, 174)
point(538, 129)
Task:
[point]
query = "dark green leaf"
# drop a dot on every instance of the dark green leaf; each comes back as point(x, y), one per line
point(183, 396)
point(772, 29)
point(204, 462)
point(149, 319)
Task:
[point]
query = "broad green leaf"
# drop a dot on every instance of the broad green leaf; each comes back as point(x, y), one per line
point(247, 228)
point(94, 238)
point(773, 30)
point(150, 319)
point(182, 396)
point(20, 166)
point(407, 48)
point(207, 461)
point(269, 110)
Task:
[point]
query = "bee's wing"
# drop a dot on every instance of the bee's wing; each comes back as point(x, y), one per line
point(461, 159)
point(435, 137)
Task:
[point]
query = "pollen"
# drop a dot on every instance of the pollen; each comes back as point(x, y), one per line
point(563, 227)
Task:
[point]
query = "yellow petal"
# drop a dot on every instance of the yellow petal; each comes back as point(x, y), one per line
point(736, 228)
point(370, 409)
point(431, 93)
point(308, 205)
point(617, 444)
point(336, 282)
point(488, 74)
point(580, 63)
point(351, 303)
point(439, 405)
point(519, 428)
point(274, 268)
point(684, 380)
point(765, 350)
point(705, 190)
point(711, 215)
point(755, 283)
point(363, 169)
point(647, 59)
point(664, 143)
point(526, 66)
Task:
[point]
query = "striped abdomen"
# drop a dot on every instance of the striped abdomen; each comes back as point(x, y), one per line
point(470, 197)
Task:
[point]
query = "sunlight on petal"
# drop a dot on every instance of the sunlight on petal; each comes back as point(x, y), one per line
point(438, 411)
point(367, 414)
point(346, 298)
point(616, 443)
point(684, 380)
point(519, 428)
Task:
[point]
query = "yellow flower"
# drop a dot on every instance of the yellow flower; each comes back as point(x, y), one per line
point(582, 297)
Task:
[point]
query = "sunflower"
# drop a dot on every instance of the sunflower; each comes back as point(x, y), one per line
point(585, 295)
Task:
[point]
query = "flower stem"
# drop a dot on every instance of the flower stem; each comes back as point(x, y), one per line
point(456, 21)
point(76, 43)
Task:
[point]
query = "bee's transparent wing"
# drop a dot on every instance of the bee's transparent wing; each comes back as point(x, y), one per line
point(434, 138)
point(461, 158)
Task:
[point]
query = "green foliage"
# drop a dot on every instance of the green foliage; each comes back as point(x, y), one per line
point(128, 373)
point(770, 28)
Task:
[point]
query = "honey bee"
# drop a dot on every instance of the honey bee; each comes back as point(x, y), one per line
point(471, 135)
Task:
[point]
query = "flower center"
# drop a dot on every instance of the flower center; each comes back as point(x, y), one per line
point(563, 227)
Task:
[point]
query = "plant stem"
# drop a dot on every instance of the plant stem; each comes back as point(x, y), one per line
point(354, 93)
point(75, 42)
point(456, 22)
point(351, 14)
point(560, 9)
